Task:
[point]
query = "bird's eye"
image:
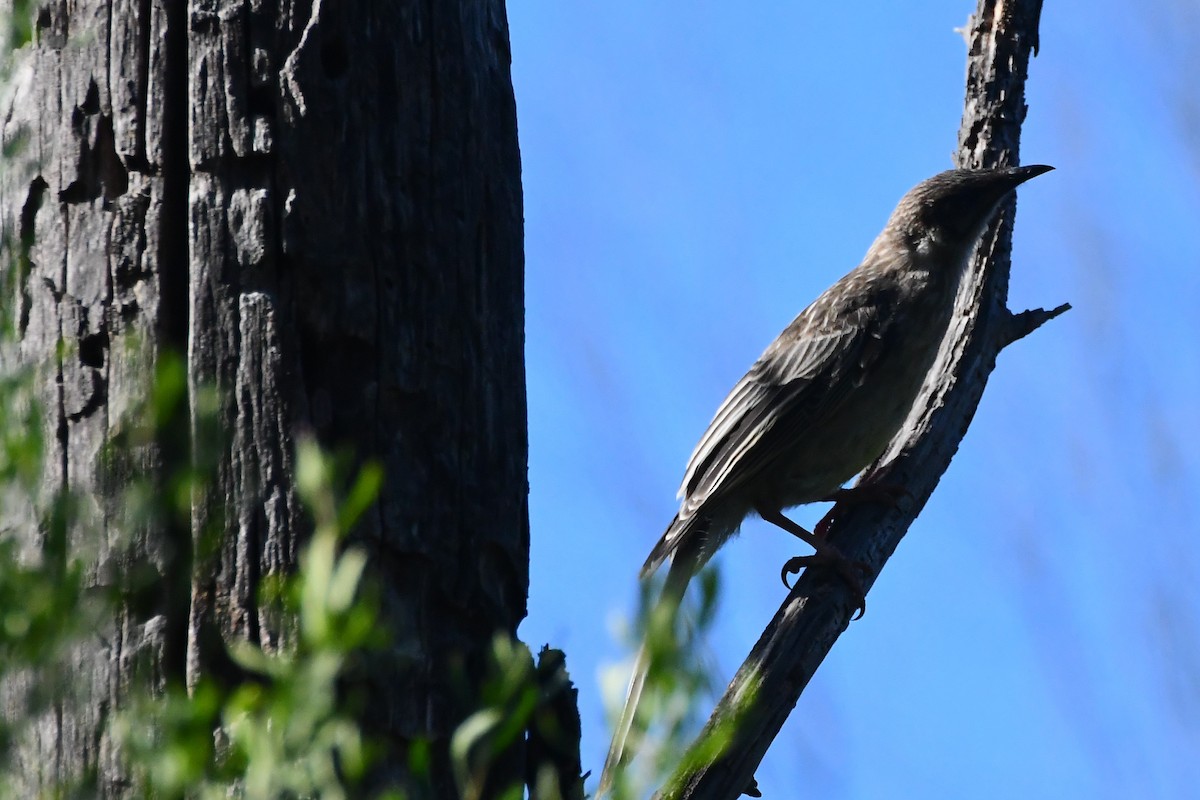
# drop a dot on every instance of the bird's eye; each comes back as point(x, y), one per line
point(946, 214)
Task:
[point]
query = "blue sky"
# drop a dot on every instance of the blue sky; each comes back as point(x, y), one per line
point(696, 173)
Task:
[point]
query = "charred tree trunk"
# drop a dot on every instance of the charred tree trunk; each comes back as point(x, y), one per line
point(320, 203)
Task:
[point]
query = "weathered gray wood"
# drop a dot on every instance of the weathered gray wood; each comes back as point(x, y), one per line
point(766, 688)
point(321, 202)
point(82, 204)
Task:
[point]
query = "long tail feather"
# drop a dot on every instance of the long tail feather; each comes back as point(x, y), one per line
point(682, 568)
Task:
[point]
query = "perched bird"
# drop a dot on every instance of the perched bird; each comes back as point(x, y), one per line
point(827, 396)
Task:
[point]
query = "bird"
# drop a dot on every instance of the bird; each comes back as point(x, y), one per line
point(827, 396)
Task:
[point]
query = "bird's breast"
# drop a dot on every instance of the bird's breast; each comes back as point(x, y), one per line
point(858, 428)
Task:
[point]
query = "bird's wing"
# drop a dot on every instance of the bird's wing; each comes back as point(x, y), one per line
point(795, 383)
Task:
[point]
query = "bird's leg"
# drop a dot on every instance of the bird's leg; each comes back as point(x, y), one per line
point(826, 555)
point(776, 517)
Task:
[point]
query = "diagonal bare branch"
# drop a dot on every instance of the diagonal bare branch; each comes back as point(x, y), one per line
point(1002, 37)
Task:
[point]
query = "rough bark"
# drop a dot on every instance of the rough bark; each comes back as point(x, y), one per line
point(85, 202)
point(321, 202)
point(1002, 37)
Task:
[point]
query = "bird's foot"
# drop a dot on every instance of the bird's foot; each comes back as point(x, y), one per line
point(828, 557)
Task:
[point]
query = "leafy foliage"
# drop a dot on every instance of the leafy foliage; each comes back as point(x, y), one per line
point(284, 730)
point(679, 678)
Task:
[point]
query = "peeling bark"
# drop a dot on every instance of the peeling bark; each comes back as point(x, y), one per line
point(86, 203)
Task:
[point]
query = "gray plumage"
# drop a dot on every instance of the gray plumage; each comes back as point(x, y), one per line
point(827, 396)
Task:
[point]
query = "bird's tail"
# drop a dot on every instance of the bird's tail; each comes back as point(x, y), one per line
point(660, 618)
point(688, 532)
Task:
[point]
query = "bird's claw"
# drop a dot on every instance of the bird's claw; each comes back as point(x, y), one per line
point(851, 572)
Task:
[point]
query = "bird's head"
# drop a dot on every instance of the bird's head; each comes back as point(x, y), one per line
point(949, 212)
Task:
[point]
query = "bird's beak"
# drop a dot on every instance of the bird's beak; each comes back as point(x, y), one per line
point(1018, 175)
point(1004, 182)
